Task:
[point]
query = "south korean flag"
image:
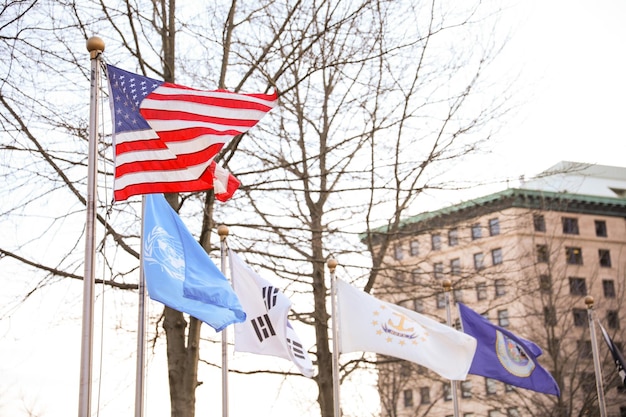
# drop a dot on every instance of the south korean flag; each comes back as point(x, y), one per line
point(267, 330)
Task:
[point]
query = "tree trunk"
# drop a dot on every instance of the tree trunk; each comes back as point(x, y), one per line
point(182, 362)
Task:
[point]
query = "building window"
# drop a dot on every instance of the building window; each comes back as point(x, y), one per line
point(476, 231)
point(570, 225)
point(500, 286)
point(481, 291)
point(494, 413)
point(588, 385)
point(612, 319)
point(447, 392)
point(479, 261)
point(608, 286)
point(545, 283)
point(466, 389)
point(416, 276)
point(418, 305)
point(453, 237)
point(441, 300)
point(509, 388)
point(491, 386)
point(425, 395)
point(436, 241)
point(503, 318)
point(543, 255)
point(496, 256)
point(549, 316)
point(457, 323)
point(455, 266)
point(494, 227)
point(539, 222)
point(400, 278)
point(601, 228)
point(574, 256)
point(414, 248)
point(397, 252)
point(605, 258)
point(580, 317)
point(468, 414)
point(408, 398)
point(458, 295)
point(584, 351)
point(438, 268)
point(577, 286)
point(512, 412)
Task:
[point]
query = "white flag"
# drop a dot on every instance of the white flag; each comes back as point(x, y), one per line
point(267, 330)
point(370, 325)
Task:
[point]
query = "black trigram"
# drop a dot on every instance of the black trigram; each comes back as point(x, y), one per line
point(296, 348)
point(263, 327)
point(269, 296)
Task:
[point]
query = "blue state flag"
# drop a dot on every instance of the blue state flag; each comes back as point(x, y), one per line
point(173, 259)
point(503, 356)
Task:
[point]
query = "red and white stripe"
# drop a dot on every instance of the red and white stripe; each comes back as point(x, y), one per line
point(189, 127)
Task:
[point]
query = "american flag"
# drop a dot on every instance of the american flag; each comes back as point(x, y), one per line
point(166, 136)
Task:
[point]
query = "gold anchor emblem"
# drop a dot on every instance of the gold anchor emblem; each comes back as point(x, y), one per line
point(400, 326)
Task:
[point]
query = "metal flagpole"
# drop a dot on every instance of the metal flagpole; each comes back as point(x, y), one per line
point(141, 327)
point(222, 231)
point(332, 264)
point(447, 286)
point(95, 46)
point(596, 356)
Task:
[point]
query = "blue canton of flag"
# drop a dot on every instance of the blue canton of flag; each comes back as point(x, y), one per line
point(172, 258)
point(503, 356)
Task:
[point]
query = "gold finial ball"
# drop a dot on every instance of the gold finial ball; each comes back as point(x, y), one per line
point(589, 301)
point(222, 230)
point(332, 263)
point(95, 44)
point(447, 284)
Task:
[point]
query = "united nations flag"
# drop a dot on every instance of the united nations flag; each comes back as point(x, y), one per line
point(178, 271)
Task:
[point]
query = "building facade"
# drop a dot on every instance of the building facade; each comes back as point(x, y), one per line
point(525, 258)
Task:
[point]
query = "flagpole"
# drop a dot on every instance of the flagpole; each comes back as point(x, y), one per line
point(332, 265)
point(95, 46)
point(222, 231)
point(447, 286)
point(596, 356)
point(141, 326)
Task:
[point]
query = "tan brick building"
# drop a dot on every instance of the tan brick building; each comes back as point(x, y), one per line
point(526, 258)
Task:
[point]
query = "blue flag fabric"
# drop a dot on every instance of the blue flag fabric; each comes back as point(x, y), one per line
point(503, 356)
point(179, 272)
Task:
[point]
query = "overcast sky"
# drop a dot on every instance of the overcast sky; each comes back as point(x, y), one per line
point(572, 54)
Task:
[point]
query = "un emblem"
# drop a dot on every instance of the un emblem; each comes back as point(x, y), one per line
point(513, 357)
point(162, 249)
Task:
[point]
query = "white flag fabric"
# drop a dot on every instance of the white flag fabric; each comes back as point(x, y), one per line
point(371, 325)
point(267, 330)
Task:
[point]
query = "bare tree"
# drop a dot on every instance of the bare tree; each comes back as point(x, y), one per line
point(377, 99)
